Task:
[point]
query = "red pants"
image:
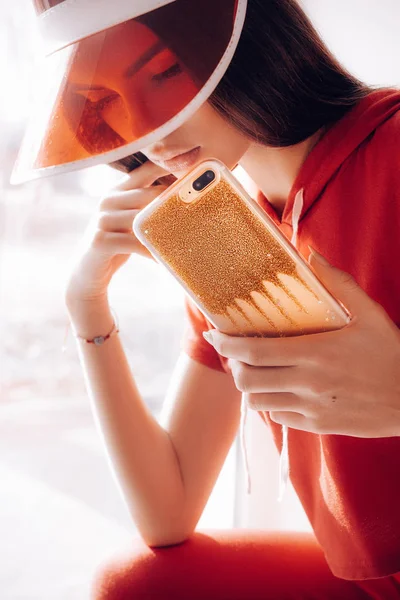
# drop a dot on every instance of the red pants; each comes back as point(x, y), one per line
point(235, 565)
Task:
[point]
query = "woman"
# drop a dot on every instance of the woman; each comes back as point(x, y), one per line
point(321, 149)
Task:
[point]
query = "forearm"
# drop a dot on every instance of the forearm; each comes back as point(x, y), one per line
point(140, 451)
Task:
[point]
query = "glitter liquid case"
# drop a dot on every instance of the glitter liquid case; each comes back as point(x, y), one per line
point(232, 260)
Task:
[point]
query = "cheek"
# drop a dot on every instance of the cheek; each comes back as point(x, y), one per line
point(228, 148)
point(225, 141)
point(145, 106)
point(167, 100)
point(117, 117)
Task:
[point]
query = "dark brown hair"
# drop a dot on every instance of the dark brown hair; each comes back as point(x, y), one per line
point(283, 83)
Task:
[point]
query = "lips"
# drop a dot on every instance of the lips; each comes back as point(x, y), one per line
point(180, 161)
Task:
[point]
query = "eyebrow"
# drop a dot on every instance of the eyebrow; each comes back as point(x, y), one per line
point(130, 71)
point(145, 58)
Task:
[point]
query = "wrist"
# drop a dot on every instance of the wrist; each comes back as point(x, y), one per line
point(99, 340)
point(92, 318)
point(77, 303)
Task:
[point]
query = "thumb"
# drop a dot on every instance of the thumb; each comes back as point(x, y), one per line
point(341, 285)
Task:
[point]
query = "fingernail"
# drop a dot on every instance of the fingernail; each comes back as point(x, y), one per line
point(318, 257)
point(208, 336)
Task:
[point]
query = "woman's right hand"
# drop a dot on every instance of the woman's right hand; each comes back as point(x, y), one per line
point(109, 239)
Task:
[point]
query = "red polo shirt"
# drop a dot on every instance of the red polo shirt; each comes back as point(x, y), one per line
point(349, 487)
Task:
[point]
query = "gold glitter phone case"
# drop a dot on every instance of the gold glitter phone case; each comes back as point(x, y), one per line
point(232, 260)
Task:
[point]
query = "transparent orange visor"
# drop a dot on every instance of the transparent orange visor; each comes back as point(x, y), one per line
point(114, 92)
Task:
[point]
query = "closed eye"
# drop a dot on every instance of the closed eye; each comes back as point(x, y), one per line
point(176, 69)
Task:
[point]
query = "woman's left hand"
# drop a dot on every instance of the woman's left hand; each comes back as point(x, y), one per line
point(339, 382)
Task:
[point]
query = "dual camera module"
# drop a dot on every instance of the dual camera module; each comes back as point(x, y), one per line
point(203, 181)
point(193, 189)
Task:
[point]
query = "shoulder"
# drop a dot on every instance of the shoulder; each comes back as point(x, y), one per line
point(387, 134)
point(380, 156)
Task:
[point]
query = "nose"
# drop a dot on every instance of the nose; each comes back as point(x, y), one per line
point(140, 121)
point(156, 150)
point(134, 120)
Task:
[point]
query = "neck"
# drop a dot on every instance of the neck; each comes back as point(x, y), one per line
point(274, 170)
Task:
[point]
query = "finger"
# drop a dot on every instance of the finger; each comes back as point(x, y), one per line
point(272, 352)
point(342, 285)
point(276, 401)
point(294, 421)
point(257, 380)
point(118, 221)
point(167, 180)
point(143, 176)
point(118, 243)
point(138, 198)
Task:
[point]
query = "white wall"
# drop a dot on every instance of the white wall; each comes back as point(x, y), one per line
point(364, 35)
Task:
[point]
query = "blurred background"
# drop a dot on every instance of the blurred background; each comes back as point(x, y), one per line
point(61, 515)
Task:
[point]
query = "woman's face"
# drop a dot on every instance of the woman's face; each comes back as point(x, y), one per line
point(133, 91)
point(117, 92)
point(205, 135)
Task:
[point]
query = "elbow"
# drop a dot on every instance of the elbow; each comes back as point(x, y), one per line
point(167, 542)
point(161, 530)
point(160, 537)
point(172, 535)
point(162, 541)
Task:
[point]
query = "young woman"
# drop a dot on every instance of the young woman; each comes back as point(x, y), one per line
point(321, 149)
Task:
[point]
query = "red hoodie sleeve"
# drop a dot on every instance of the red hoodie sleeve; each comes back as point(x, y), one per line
point(193, 342)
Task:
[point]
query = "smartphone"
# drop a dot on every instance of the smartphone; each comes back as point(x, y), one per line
point(232, 260)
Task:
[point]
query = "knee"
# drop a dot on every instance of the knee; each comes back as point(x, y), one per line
point(145, 573)
point(118, 580)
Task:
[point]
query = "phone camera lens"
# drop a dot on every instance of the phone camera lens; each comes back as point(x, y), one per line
point(201, 182)
point(197, 185)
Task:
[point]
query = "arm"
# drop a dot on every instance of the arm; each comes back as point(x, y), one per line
point(166, 474)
